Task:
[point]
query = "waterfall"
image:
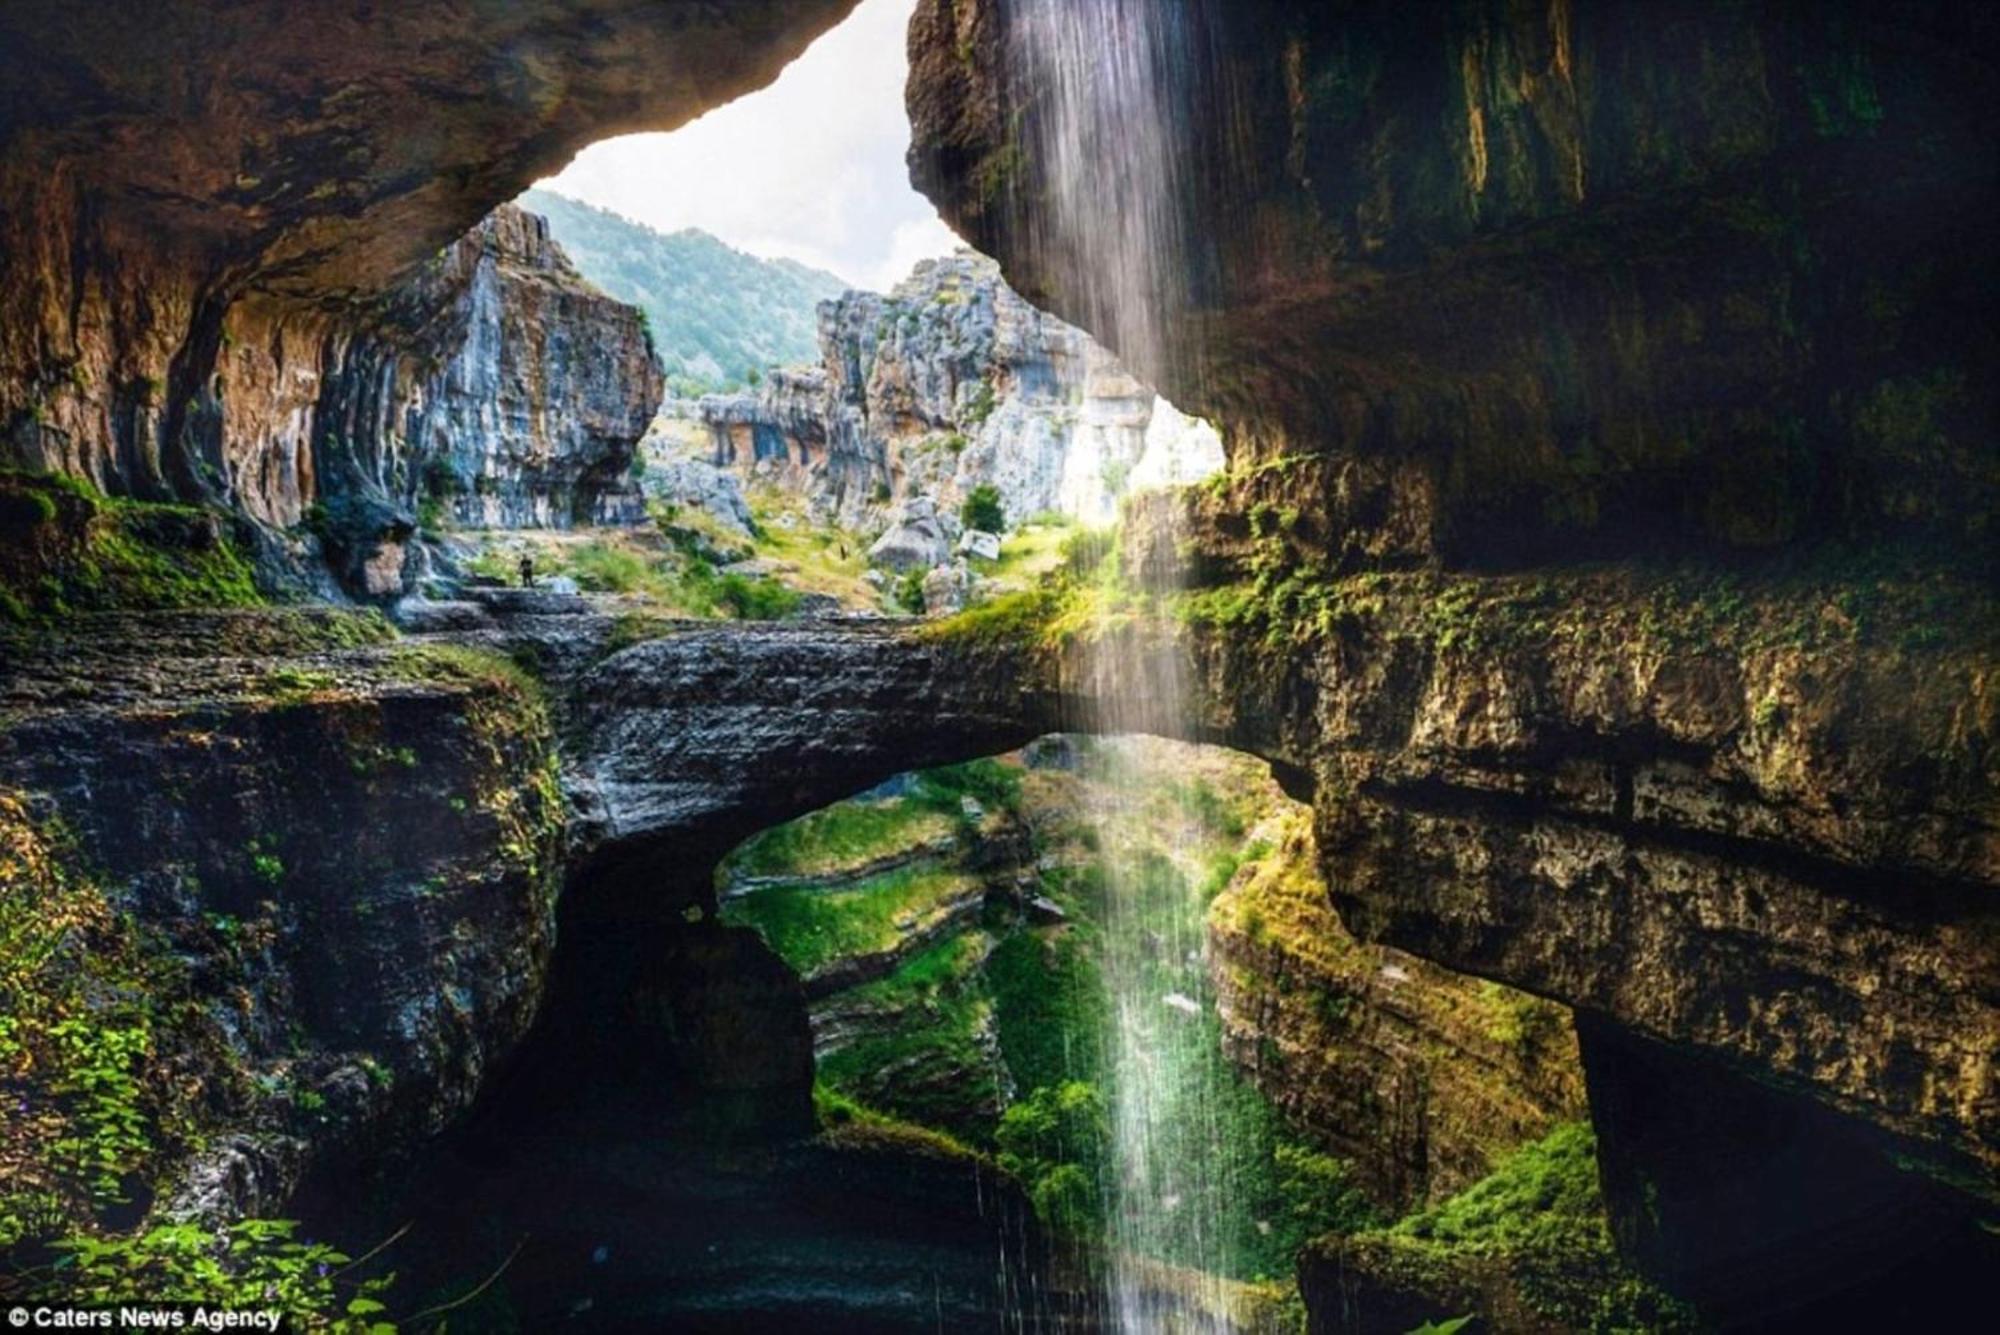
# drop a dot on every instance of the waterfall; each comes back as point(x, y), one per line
point(1110, 90)
point(1110, 86)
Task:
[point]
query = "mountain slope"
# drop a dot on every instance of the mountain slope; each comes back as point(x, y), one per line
point(716, 313)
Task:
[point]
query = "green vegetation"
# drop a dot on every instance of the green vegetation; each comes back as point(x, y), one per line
point(83, 995)
point(254, 1263)
point(982, 509)
point(850, 1124)
point(507, 709)
point(811, 926)
point(942, 1077)
point(853, 833)
point(1057, 1140)
point(844, 835)
point(1889, 596)
point(1021, 1003)
point(99, 1030)
point(65, 548)
point(981, 406)
point(675, 578)
point(1539, 1219)
point(715, 314)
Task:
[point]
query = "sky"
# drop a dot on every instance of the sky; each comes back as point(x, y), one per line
point(810, 167)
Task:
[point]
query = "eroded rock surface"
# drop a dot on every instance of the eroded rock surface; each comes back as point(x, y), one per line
point(1520, 281)
point(342, 856)
point(952, 382)
point(206, 205)
point(1420, 1078)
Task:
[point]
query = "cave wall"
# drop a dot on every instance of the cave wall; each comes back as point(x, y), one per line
point(336, 864)
point(1518, 280)
point(204, 207)
point(1607, 540)
point(1419, 1078)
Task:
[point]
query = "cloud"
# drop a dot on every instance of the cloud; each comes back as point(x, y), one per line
point(809, 168)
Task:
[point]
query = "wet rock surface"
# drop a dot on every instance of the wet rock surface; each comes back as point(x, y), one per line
point(1524, 283)
point(1418, 1077)
point(351, 848)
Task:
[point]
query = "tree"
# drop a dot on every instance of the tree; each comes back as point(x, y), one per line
point(982, 509)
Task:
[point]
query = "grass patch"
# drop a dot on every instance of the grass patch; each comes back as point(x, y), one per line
point(1540, 1218)
point(847, 834)
point(856, 832)
point(810, 928)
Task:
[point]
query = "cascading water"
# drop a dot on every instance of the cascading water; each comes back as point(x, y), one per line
point(1113, 85)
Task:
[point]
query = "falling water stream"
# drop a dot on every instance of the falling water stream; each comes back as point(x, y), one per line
point(1113, 83)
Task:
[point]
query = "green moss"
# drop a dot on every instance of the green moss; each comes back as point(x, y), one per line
point(70, 549)
point(928, 1064)
point(520, 784)
point(851, 834)
point(1538, 1219)
point(848, 1124)
point(810, 927)
point(1828, 597)
point(1049, 1007)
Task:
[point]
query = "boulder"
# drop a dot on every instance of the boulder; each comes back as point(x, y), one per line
point(696, 483)
point(916, 541)
point(949, 588)
point(979, 543)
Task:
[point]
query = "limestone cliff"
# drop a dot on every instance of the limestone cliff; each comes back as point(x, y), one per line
point(205, 205)
point(500, 390)
point(1526, 289)
point(1417, 1076)
point(950, 382)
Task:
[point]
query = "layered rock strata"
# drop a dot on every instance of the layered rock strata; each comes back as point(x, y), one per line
point(1418, 1077)
point(953, 382)
point(1514, 288)
point(338, 858)
point(206, 205)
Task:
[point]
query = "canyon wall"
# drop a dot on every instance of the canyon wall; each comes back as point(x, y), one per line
point(948, 383)
point(1420, 1078)
point(296, 882)
point(1514, 281)
point(500, 390)
point(205, 206)
point(1606, 544)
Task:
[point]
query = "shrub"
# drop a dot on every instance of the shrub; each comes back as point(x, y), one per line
point(1056, 1141)
point(254, 1263)
point(982, 509)
point(757, 599)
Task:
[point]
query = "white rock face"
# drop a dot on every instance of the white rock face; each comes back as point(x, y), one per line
point(979, 543)
point(949, 383)
point(915, 541)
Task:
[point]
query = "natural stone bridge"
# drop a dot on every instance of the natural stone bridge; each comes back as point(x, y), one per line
point(1620, 831)
point(681, 747)
point(1617, 831)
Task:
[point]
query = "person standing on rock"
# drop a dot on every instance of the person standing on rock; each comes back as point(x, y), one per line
point(527, 570)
